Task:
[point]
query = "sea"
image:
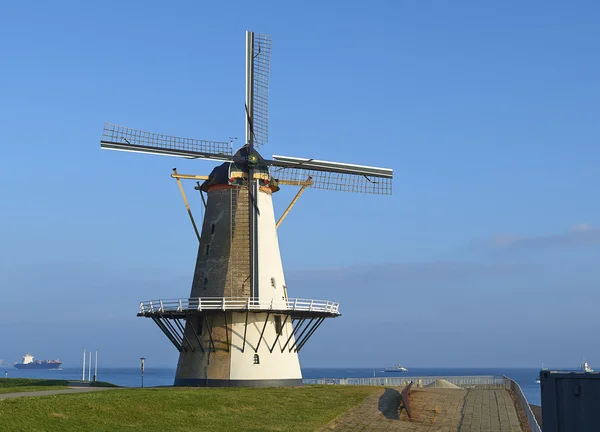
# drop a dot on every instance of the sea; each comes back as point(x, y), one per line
point(131, 377)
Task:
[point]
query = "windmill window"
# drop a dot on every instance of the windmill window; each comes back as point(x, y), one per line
point(278, 327)
point(212, 229)
point(207, 250)
point(205, 283)
point(273, 282)
point(256, 359)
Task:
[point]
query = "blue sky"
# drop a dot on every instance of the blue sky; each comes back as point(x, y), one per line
point(486, 254)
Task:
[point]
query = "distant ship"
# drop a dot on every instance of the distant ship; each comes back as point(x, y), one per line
point(29, 363)
point(583, 367)
point(537, 379)
point(397, 368)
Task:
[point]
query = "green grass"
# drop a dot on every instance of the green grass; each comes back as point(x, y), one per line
point(299, 409)
point(12, 385)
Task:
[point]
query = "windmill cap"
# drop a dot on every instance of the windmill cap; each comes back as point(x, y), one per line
point(228, 172)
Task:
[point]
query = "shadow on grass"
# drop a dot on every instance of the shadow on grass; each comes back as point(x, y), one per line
point(102, 384)
point(26, 382)
point(389, 403)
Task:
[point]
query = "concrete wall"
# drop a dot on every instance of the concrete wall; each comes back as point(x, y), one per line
point(273, 365)
point(229, 362)
point(205, 365)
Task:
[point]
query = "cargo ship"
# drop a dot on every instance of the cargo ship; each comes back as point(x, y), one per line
point(30, 363)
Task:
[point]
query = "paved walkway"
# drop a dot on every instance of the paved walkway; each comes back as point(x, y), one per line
point(54, 392)
point(433, 410)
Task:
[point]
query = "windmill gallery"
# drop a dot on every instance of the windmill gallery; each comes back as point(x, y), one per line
point(238, 327)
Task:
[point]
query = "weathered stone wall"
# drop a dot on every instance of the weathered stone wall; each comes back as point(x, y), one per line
point(223, 262)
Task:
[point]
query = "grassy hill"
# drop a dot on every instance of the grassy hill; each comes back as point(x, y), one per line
point(11, 385)
point(184, 409)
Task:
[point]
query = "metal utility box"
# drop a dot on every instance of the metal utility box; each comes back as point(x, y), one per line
point(570, 401)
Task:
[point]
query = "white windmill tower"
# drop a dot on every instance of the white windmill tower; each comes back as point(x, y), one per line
point(238, 327)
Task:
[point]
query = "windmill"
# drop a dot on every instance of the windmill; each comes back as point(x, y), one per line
point(238, 327)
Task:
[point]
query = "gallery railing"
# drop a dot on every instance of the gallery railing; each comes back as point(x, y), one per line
point(237, 303)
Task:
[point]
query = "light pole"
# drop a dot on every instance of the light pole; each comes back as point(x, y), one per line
point(142, 367)
point(96, 367)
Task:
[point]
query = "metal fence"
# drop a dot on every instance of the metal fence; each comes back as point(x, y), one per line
point(516, 388)
point(485, 382)
point(461, 381)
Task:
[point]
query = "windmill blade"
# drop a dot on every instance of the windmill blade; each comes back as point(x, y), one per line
point(333, 175)
point(261, 70)
point(115, 137)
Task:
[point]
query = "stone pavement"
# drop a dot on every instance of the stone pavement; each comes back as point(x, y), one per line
point(433, 410)
point(54, 392)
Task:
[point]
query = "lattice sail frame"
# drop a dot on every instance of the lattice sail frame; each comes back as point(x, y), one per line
point(324, 175)
point(115, 137)
point(261, 67)
point(335, 181)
